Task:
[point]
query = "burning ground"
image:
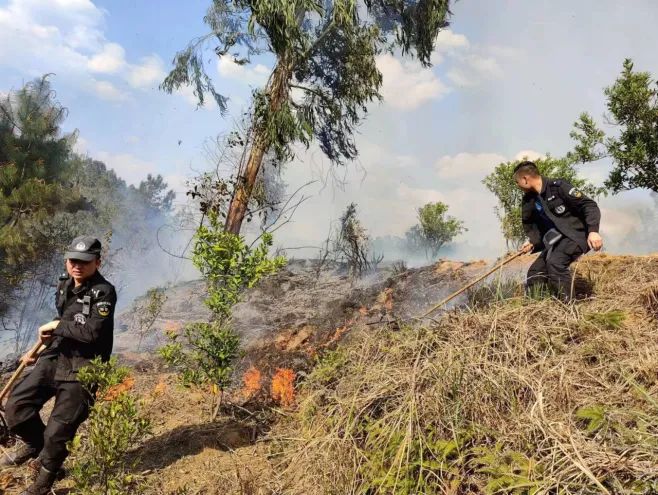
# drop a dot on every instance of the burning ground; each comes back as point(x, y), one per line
point(340, 392)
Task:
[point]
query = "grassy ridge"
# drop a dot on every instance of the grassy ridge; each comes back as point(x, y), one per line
point(515, 396)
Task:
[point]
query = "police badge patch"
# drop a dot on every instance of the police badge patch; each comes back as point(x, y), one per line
point(560, 209)
point(103, 308)
point(80, 318)
point(575, 193)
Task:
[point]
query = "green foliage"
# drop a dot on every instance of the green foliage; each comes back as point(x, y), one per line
point(501, 183)
point(229, 265)
point(204, 355)
point(115, 427)
point(327, 367)
point(632, 103)
point(402, 465)
point(507, 471)
point(34, 170)
point(147, 311)
point(326, 51)
point(435, 228)
point(593, 417)
point(609, 320)
point(324, 76)
point(49, 195)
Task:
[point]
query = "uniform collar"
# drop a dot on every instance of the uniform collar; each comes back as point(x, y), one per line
point(544, 185)
point(86, 284)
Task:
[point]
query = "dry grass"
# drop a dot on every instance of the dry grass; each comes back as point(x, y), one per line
point(517, 396)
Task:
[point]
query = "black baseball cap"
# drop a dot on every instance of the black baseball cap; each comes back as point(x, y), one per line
point(85, 248)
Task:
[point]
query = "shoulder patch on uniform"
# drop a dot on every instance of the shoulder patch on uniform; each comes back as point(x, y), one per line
point(576, 193)
point(104, 308)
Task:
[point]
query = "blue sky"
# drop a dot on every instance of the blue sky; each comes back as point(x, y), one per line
point(509, 78)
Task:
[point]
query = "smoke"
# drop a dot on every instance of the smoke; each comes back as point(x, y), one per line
point(144, 248)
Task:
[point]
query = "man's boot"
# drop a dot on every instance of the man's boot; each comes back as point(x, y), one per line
point(42, 484)
point(18, 455)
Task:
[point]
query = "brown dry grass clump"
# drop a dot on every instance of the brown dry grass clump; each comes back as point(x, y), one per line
point(518, 396)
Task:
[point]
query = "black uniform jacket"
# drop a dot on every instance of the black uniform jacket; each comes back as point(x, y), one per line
point(573, 214)
point(86, 325)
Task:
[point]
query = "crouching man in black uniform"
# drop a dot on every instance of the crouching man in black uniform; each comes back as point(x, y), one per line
point(83, 330)
point(560, 221)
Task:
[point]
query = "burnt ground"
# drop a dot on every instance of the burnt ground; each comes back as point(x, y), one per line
point(293, 315)
point(285, 323)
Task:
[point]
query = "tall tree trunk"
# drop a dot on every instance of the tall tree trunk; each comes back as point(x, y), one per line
point(278, 90)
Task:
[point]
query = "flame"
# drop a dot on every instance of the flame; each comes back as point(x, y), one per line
point(252, 382)
point(159, 389)
point(283, 387)
point(113, 392)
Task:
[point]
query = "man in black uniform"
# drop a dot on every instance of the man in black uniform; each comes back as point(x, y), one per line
point(560, 221)
point(82, 331)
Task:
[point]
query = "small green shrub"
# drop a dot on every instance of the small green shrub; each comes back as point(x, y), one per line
point(507, 471)
point(147, 311)
point(115, 427)
point(327, 367)
point(204, 354)
point(230, 265)
point(205, 357)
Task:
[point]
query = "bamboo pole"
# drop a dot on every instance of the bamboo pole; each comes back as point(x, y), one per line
point(36, 349)
point(471, 284)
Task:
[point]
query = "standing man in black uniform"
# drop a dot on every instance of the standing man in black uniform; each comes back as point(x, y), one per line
point(560, 221)
point(82, 331)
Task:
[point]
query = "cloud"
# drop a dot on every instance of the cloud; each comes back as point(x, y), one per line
point(475, 68)
point(470, 64)
point(529, 155)
point(67, 37)
point(407, 85)
point(108, 91)
point(148, 73)
point(467, 165)
point(110, 60)
point(252, 76)
point(447, 40)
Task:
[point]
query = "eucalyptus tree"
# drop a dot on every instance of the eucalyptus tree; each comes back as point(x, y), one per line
point(324, 71)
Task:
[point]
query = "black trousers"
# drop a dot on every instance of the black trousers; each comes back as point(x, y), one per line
point(552, 269)
point(72, 403)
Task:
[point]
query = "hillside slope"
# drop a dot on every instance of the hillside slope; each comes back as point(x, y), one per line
point(511, 395)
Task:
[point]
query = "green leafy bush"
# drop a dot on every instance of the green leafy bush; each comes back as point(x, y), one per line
point(230, 265)
point(115, 427)
point(205, 352)
point(204, 357)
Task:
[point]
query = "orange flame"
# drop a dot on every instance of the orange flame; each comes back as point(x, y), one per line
point(113, 392)
point(252, 382)
point(283, 387)
point(159, 389)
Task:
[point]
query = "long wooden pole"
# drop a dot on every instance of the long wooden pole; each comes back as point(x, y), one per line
point(37, 349)
point(466, 287)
